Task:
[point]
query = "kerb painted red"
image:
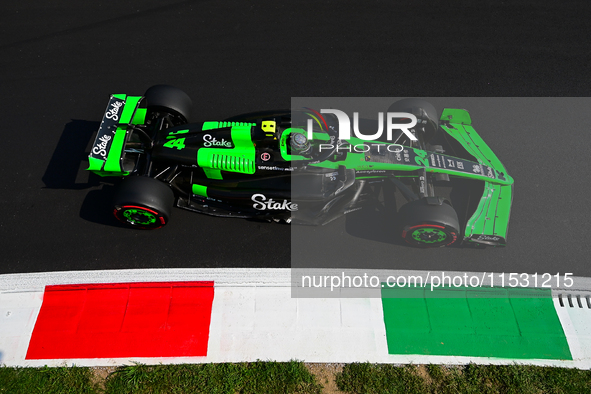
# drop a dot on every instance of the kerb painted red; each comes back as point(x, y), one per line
point(159, 319)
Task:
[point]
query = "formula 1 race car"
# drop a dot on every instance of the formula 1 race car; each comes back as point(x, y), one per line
point(281, 166)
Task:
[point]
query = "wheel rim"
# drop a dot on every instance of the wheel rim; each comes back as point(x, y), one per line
point(428, 235)
point(138, 216)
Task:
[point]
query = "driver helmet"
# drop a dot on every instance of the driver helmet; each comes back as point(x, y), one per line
point(427, 116)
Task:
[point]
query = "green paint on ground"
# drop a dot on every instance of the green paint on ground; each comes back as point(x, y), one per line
point(483, 322)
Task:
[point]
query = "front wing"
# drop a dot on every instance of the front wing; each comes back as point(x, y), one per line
point(490, 222)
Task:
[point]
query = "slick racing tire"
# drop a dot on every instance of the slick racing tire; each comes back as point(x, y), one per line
point(143, 203)
point(427, 115)
point(166, 98)
point(429, 226)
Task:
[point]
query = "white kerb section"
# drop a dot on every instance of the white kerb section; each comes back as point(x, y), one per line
point(254, 317)
point(252, 324)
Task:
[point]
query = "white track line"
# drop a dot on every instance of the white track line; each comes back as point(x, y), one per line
point(236, 277)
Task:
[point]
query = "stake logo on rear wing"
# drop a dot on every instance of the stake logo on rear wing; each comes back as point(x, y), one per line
point(106, 132)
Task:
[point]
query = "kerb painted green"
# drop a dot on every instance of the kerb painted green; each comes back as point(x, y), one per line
point(519, 323)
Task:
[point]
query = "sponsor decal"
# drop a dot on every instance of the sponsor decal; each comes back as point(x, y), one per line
point(209, 140)
point(460, 165)
point(262, 204)
point(268, 126)
point(483, 237)
point(113, 112)
point(101, 148)
point(367, 172)
point(333, 176)
point(490, 173)
point(476, 168)
point(275, 168)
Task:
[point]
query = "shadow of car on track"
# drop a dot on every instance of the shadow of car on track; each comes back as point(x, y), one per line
point(71, 153)
point(379, 220)
point(67, 170)
point(97, 207)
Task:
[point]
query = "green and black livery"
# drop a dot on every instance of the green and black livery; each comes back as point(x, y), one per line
point(263, 165)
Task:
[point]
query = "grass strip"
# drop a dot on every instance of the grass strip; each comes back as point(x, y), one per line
point(62, 380)
point(244, 378)
point(435, 379)
point(294, 377)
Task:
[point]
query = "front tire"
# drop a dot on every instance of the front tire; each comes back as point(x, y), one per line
point(429, 226)
point(143, 203)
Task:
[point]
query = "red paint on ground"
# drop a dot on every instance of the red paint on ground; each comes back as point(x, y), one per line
point(162, 319)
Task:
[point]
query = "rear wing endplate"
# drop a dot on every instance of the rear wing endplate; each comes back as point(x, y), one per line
point(106, 154)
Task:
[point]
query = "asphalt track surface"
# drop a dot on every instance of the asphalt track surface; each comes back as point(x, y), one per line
point(60, 61)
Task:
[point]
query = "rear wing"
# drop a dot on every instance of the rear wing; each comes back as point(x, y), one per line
point(107, 153)
point(490, 222)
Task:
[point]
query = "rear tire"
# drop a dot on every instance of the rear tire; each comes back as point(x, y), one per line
point(429, 226)
point(143, 203)
point(169, 99)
